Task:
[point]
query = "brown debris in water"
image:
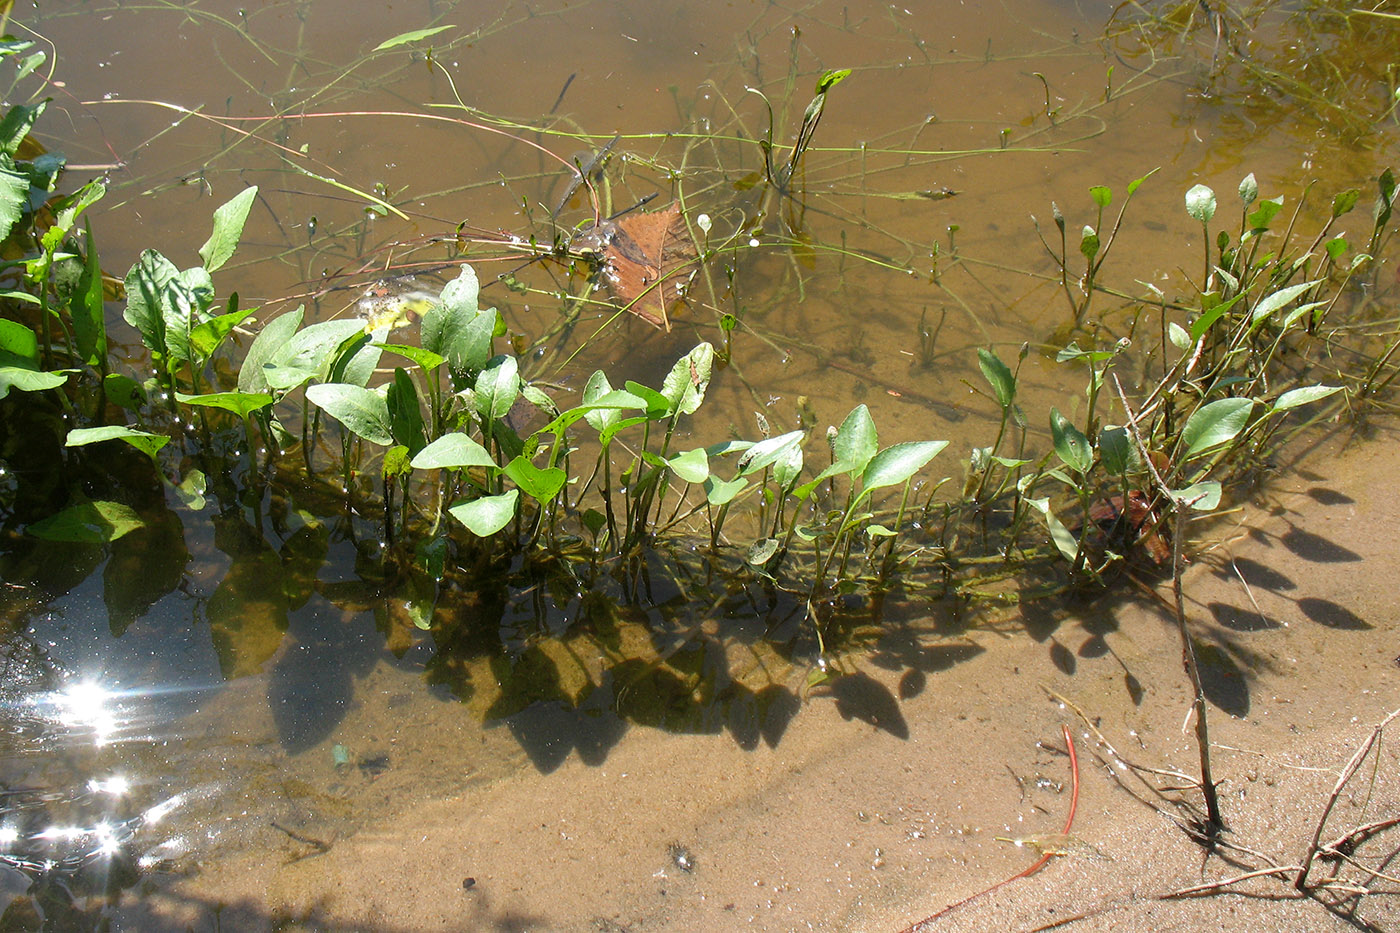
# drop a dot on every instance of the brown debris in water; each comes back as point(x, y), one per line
point(641, 255)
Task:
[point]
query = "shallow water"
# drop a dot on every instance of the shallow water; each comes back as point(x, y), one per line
point(263, 690)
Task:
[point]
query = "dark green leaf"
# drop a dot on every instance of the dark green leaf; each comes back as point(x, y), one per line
point(1344, 202)
point(1115, 450)
point(1071, 445)
point(405, 413)
point(998, 375)
point(88, 308)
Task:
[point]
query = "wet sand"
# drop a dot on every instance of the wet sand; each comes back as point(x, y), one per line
point(847, 825)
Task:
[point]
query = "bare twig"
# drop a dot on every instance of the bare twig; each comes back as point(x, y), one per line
point(1214, 822)
point(1362, 751)
point(1216, 886)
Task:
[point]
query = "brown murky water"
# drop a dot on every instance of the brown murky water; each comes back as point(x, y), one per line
point(325, 767)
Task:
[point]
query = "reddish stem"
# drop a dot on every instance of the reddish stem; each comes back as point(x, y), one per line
point(1040, 863)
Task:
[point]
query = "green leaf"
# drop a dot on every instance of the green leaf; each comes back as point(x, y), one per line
point(88, 308)
point(1203, 497)
point(29, 380)
point(241, 404)
point(488, 515)
point(306, 355)
point(1215, 423)
point(363, 411)
point(456, 328)
point(453, 451)
point(1344, 202)
point(1303, 396)
point(720, 492)
point(88, 523)
point(1102, 195)
point(18, 121)
point(608, 404)
point(692, 466)
point(228, 228)
point(1249, 189)
point(1071, 446)
point(899, 462)
point(1179, 336)
point(404, 38)
point(998, 375)
point(267, 344)
point(497, 387)
point(1279, 299)
point(597, 387)
point(787, 469)
point(830, 79)
point(19, 345)
point(1211, 315)
point(147, 285)
point(763, 454)
point(144, 441)
point(1200, 203)
point(1263, 215)
point(206, 337)
point(1062, 537)
point(1115, 450)
point(14, 198)
point(124, 391)
point(1136, 183)
point(542, 485)
point(405, 413)
point(1089, 244)
point(684, 387)
point(426, 360)
point(657, 407)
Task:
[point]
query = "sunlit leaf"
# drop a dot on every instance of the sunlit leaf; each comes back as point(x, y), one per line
point(1200, 203)
point(29, 380)
point(497, 387)
point(363, 411)
point(1215, 423)
point(1302, 396)
point(1249, 189)
point(719, 491)
point(267, 344)
point(692, 466)
point(542, 485)
point(1271, 303)
point(899, 462)
point(88, 523)
point(241, 404)
point(228, 228)
point(762, 455)
point(488, 515)
point(1202, 497)
point(453, 451)
point(144, 441)
point(1062, 537)
point(404, 38)
point(684, 387)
